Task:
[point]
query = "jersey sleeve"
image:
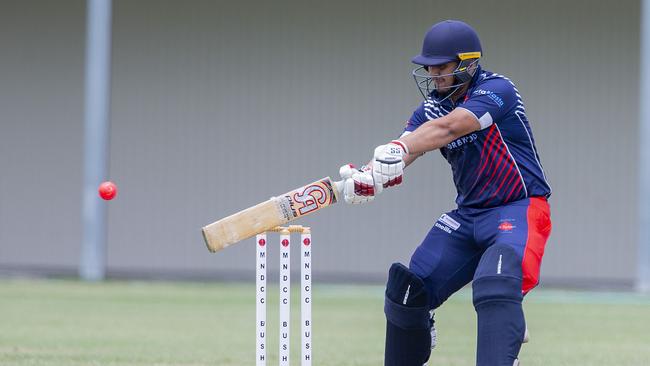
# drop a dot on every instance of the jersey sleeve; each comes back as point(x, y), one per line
point(417, 118)
point(490, 101)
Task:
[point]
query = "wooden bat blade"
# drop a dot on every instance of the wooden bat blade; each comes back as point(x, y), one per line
point(269, 214)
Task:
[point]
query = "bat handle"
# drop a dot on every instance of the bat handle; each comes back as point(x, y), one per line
point(338, 188)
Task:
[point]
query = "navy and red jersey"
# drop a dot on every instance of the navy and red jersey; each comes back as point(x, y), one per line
point(498, 163)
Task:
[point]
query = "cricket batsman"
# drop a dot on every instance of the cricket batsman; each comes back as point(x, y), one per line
point(496, 236)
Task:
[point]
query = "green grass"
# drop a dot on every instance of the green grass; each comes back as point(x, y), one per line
point(58, 322)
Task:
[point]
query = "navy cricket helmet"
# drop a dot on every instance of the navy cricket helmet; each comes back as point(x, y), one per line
point(449, 40)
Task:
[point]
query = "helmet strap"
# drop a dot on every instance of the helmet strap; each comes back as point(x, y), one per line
point(465, 70)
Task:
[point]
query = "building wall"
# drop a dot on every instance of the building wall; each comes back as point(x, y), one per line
point(41, 132)
point(216, 107)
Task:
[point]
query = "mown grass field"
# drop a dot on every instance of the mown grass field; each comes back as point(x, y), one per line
point(61, 322)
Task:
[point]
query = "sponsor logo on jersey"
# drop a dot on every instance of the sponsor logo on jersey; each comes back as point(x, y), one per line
point(506, 225)
point(497, 99)
point(442, 227)
point(446, 223)
point(447, 220)
point(462, 141)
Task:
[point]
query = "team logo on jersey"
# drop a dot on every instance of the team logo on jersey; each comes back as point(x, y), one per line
point(506, 225)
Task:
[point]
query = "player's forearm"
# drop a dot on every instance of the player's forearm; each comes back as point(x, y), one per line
point(438, 132)
point(409, 158)
point(432, 135)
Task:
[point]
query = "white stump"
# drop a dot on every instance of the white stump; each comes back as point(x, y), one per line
point(305, 297)
point(285, 297)
point(260, 304)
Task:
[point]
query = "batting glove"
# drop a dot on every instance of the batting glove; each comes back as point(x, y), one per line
point(359, 185)
point(388, 163)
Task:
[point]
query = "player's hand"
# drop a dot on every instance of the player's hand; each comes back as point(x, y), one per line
point(388, 163)
point(358, 184)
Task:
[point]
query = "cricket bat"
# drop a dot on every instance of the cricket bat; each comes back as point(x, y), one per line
point(274, 212)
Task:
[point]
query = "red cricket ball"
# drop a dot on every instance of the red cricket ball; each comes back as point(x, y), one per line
point(107, 190)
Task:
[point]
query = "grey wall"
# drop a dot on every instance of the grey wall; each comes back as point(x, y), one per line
point(217, 106)
point(41, 112)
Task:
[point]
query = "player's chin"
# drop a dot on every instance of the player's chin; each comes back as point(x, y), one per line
point(443, 90)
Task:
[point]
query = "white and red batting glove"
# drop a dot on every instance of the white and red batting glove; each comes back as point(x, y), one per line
point(359, 185)
point(388, 163)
